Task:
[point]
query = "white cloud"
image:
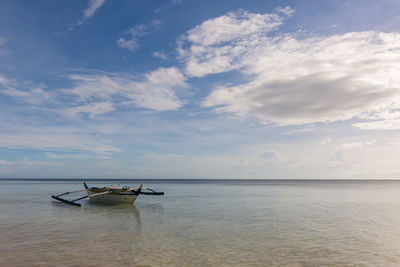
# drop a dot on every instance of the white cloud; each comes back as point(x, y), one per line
point(293, 79)
point(160, 55)
point(231, 27)
point(163, 158)
point(5, 81)
point(100, 92)
point(32, 94)
point(384, 117)
point(339, 157)
point(370, 143)
point(97, 93)
point(287, 10)
point(93, 109)
point(4, 162)
point(271, 155)
point(61, 155)
point(354, 145)
point(326, 141)
point(218, 45)
point(300, 131)
point(378, 125)
point(55, 139)
point(93, 6)
point(132, 42)
point(67, 137)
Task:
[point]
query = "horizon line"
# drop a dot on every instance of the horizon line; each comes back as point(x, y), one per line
point(205, 179)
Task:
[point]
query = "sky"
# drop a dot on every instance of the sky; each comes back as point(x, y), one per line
point(200, 89)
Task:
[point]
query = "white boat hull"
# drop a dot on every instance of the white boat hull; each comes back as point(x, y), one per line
point(113, 197)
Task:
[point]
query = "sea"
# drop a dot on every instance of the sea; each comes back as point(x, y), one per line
point(204, 223)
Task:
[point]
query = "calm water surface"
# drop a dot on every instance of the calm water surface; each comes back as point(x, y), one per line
point(209, 223)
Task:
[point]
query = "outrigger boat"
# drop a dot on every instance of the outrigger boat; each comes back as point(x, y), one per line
point(115, 194)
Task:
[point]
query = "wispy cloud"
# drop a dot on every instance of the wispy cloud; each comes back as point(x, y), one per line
point(354, 145)
point(287, 10)
point(4, 81)
point(386, 116)
point(134, 34)
point(326, 140)
point(351, 145)
point(5, 162)
point(166, 5)
point(29, 93)
point(35, 95)
point(339, 157)
point(164, 158)
point(378, 125)
point(93, 6)
point(96, 93)
point(160, 55)
point(100, 92)
point(293, 79)
point(93, 109)
point(271, 155)
point(55, 139)
point(63, 155)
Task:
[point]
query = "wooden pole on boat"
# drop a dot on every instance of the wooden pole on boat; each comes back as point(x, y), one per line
point(71, 192)
point(101, 193)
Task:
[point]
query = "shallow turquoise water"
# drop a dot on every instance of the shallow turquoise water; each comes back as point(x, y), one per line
point(203, 223)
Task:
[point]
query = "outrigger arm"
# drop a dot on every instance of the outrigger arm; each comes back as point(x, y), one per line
point(152, 192)
point(73, 201)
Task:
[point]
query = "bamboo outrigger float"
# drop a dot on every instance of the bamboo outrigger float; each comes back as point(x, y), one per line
point(115, 194)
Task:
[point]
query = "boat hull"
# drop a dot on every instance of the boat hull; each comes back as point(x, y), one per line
point(113, 197)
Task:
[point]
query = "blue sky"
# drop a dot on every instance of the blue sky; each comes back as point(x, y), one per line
point(200, 89)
